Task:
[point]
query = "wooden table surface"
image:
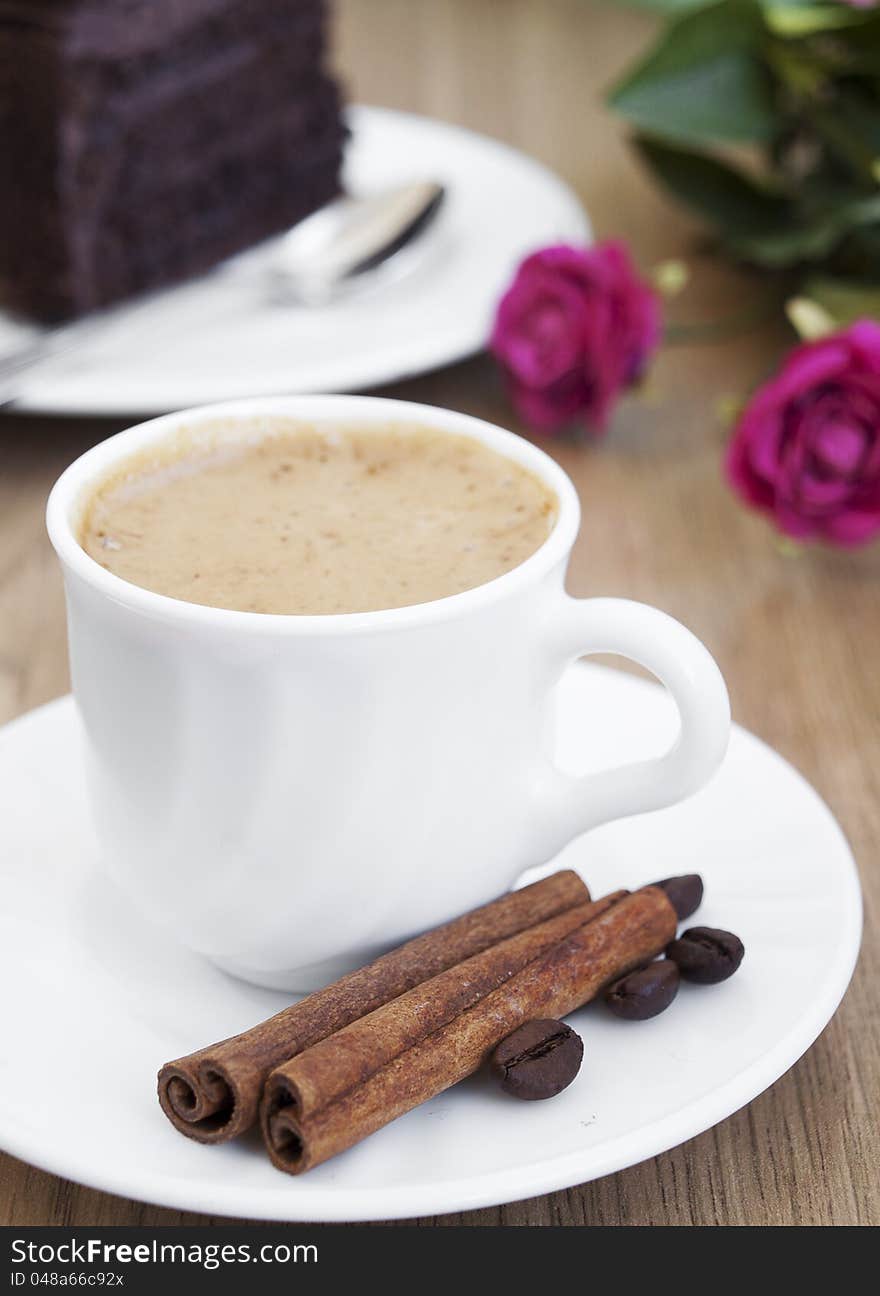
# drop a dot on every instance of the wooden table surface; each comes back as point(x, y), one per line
point(795, 636)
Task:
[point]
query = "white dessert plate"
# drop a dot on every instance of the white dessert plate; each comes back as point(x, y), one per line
point(94, 1000)
point(222, 336)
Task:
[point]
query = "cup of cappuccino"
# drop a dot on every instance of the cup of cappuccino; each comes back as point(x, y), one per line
point(314, 643)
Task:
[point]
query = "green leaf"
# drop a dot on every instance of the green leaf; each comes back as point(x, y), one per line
point(792, 19)
point(777, 250)
point(844, 300)
point(850, 129)
point(664, 6)
point(704, 79)
point(858, 256)
point(716, 191)
point(756, 223)
point(798, 66)
point(810, 237)
point(854, 51)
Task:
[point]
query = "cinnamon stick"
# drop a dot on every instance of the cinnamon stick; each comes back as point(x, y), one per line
point(329, 1069)
point(564, 977)
point(213, 1094)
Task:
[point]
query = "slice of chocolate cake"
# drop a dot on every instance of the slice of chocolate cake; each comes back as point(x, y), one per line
point(142, 141)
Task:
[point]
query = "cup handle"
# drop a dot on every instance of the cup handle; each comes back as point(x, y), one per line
point(570, 806)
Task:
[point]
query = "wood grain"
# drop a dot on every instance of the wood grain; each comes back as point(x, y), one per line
point(796, 637)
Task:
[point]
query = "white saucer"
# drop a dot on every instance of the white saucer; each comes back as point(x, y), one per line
point(94, 1000)
point(221, 337)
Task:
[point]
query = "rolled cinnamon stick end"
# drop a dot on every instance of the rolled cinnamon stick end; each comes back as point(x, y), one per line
point(564, 977)
point(213, 1095)
point(330, 1068)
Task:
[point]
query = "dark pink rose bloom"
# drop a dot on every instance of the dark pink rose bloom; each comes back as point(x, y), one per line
point(573, 331)
point(806, 449)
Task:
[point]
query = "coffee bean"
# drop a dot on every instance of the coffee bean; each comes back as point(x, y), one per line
point(706, 954)
point(645, 992)
point(538, 1060)
point(685, 892)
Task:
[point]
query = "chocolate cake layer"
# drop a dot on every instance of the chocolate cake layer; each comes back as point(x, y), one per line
point(119, 29)
point(127, 172)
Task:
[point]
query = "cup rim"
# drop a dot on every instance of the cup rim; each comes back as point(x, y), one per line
point(87, 471)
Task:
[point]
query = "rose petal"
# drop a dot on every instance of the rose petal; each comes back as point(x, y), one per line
point(794, 523)
point(575, 328)
point(554, 407)
point(807, 447)
point(864, 339)
point(852, 527)
point(817, 497)
point(752, 488)
point(808, 367)
point(840, 447)
point(766, 443)
point(540, 329)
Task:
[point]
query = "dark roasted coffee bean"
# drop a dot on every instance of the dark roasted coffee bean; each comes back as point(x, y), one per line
point(538, 1060)
point(685, 892)
point(645, 992)
point(706, 954)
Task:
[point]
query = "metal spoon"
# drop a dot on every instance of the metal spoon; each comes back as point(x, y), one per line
point(331, 252)
point(327, 253)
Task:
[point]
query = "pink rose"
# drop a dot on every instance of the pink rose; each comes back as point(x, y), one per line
point(807, 448)
point(574, 330)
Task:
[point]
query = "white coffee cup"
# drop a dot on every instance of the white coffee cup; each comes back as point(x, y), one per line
point(289, 795)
